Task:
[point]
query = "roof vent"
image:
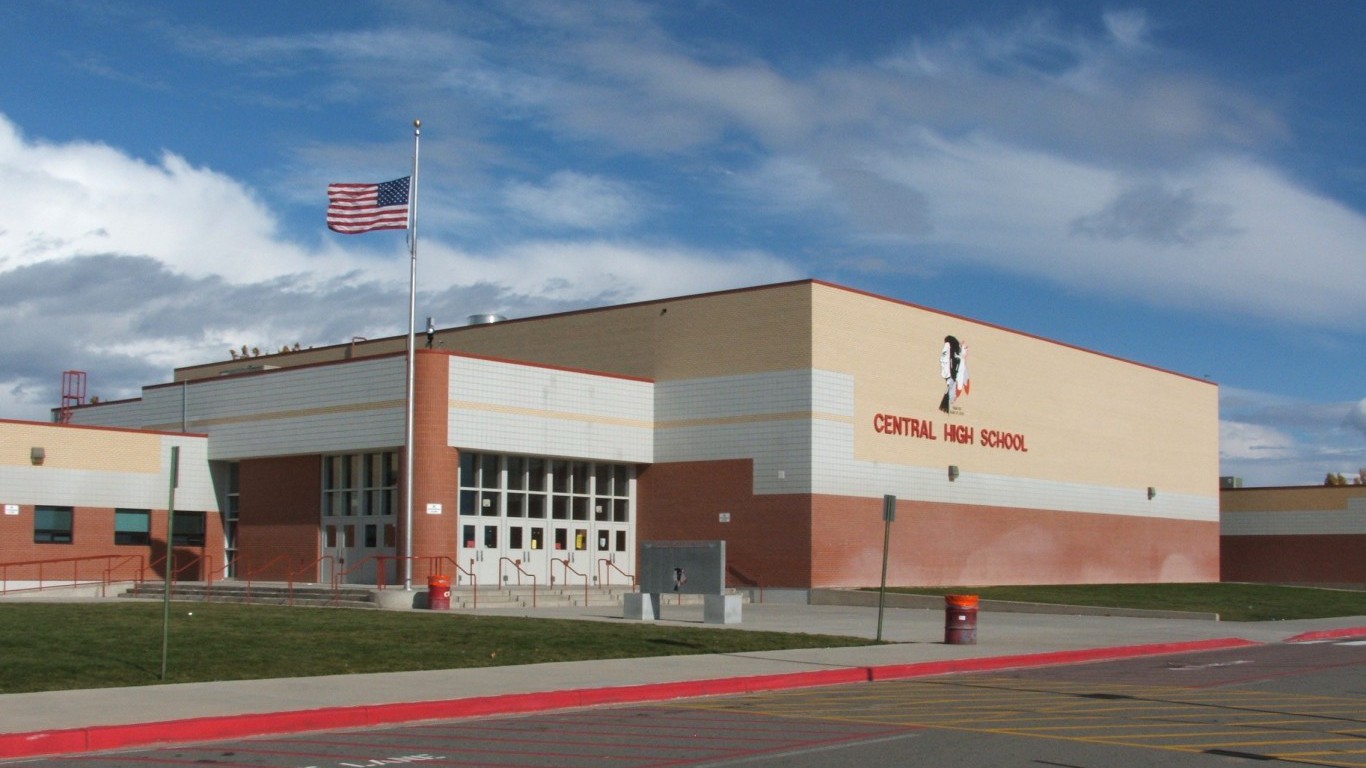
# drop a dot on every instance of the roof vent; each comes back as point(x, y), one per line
point(484, 319)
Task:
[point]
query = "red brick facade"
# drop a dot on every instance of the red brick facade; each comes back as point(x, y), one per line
point(768, 538)
point(1308, 559)
point(281, 500)
point(1296, 535)
point(93, 537)
point(963, 545)
point(435, 468)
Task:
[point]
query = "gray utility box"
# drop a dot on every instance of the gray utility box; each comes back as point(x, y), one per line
point(683, 568)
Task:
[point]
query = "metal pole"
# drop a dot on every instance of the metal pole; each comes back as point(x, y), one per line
point(412, 335)
point(170, 558)
point(888, 515)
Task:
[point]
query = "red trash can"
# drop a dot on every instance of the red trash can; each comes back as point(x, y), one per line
point(960, 619)
point(439, 593)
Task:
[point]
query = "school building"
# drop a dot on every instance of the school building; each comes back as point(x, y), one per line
point(776, 418)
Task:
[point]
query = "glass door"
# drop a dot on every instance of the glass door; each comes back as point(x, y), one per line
point(526, 519)
point(359, 517)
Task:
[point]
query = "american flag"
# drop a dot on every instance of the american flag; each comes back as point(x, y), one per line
point(356, 208)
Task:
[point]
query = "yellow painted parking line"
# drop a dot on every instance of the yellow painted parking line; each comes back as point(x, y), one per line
point(1304, 727)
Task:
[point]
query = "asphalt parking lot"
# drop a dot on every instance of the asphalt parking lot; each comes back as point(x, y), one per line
point(1295, 703)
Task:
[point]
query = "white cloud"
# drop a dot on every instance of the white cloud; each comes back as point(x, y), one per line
point(1227, 233)
point(1240, 440)
point(1288, 441)
point(83, 198)
point(577, 201)
point(1356, 417)
point(1129, 28)
point(127, 269)
point(579, 273)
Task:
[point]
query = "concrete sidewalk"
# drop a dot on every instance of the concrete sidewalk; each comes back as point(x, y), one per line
point(60, 722)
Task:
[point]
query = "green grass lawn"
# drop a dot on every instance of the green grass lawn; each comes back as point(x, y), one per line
point(56, 646)
point(1233, 602)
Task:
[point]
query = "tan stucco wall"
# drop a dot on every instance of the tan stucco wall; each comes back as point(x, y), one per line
point(1289, 499)
point(107, 450)
point(1085, 418)
point(717, 334)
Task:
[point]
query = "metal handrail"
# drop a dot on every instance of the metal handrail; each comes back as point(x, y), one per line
point(175, 576)
point(382, 578)
point(75, 562)
point(437, 560)
point(252, 572)
point(733, 571)
point(336, 597)
point(567, 570)
point(110, 568)
point(611, 566)
point(517, 564)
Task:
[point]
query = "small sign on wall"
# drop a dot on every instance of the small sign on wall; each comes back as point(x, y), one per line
point(723, 517)
point(433, 509)
point(11, 509)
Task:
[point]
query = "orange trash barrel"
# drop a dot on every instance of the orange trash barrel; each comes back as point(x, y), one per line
point(439, 592)
point(960, 619)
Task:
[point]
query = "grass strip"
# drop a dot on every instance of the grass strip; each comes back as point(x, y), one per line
point(60, 646)
point(1233, 602)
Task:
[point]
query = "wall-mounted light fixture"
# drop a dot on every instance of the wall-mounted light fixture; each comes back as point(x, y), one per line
point(953, 472)
point(37, 455)
point(1152, 492)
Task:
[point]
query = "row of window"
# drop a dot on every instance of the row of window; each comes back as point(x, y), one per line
point(360, 484)
point(495, 485)
point(57, 525)
point(367, 484)
point(533, 538)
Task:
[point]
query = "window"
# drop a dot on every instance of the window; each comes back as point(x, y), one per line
point(231, 515)
point(533, 488)
point(132, 526)
point(189, 529)
point(52, 525)
point(360, 484)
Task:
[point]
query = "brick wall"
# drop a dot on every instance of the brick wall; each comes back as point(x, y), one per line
point(1331, 559)
point(279, 513)
point(435, 467)
point(93, 536)
point(768, 539)
point(964, 545)
point(1294, 535)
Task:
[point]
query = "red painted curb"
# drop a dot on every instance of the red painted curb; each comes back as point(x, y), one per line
point(106, 737)
point(927, 668)
point(1327, 634)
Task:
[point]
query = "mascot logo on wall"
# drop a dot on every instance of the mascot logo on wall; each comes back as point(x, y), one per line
point(953, 369)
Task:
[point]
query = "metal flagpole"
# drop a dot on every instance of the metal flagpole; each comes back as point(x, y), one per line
point(170, 558)
point(412, 336)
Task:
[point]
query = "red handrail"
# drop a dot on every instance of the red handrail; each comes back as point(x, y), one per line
point(174, 576)
point(435, 568)
point(437, 560)
point(336, 596)
point(382, 577)
point(517, 564)
point(739, 574)
point(105, 577)
point(611, 566)
point(567, 570)
point(251, 572)
point(111, 567)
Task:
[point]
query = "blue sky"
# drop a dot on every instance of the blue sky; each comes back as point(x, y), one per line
point(1179, 184)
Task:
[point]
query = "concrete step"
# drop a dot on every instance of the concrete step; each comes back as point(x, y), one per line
point(356, 596)
point(264, 594)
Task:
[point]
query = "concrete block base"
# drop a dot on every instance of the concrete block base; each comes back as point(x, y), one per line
point(721, 609)
point(641, 606)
